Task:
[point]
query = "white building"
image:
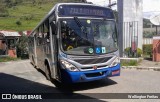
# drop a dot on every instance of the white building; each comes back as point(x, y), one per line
point(130, 24)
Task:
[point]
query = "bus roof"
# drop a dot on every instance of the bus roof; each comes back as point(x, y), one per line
point(69, 5)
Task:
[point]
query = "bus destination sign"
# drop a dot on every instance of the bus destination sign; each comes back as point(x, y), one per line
point(85, 10)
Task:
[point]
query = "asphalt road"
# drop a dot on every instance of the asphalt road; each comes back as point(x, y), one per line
point(22, 77)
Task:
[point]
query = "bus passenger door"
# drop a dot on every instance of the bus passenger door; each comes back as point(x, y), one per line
point(54, 49)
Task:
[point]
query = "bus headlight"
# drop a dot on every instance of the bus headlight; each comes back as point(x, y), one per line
point(115, 62)
point(68, 66)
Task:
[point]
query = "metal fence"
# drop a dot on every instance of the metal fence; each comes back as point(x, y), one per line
point(147, 41)
point(130, 38)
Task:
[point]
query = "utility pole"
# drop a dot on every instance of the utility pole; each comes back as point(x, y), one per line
point(111, 4)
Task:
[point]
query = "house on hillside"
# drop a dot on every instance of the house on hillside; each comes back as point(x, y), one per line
point(8, 40)
point(27, 32)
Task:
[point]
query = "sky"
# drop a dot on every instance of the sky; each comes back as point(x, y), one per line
point(150, 7)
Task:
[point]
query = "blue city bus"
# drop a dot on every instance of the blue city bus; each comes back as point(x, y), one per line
point(76, 42)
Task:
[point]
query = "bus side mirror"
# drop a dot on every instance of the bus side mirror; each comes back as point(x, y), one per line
point(53, 26)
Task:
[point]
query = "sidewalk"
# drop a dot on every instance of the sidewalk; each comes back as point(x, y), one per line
point(2, 64)
point(145, 65)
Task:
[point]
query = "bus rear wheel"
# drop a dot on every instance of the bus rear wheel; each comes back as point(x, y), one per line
point(47, 72)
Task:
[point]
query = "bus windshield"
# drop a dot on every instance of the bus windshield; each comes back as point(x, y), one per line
point(88, 36)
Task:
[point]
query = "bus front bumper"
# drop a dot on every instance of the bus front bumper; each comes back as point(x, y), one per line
point(85, 76)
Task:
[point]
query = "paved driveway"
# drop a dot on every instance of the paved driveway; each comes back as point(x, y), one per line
point(21, 77)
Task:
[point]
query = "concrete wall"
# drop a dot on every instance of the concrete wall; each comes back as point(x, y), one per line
point(130, 23)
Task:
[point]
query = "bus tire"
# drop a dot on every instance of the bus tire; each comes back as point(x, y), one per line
point(47, 72)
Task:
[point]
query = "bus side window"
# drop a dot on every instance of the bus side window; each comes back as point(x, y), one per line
point(53, 26)
point(46, 32)
point(36, 36)
point(43, 34)
point(40, 36)
point(46, 37)
point(52, 20)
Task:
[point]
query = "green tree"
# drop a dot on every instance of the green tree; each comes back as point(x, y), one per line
point(22, 47)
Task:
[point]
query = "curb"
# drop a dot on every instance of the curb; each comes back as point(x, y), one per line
point(141, 68)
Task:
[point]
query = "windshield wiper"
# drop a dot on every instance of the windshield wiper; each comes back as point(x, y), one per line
point(83, 29)
point(78, 22)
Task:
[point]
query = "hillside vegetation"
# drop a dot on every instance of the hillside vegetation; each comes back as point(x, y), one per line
point(20, 15)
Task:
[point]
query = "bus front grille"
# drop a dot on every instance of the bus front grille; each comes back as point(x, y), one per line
point(102, 66)
point(93, 61)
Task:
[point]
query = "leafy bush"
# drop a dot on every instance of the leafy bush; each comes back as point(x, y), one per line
point(3, 12)
point(139, 52)
point(18, 22)
point(11, 3)
point(147, 34)
point(147, 49)
point(128, 51)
